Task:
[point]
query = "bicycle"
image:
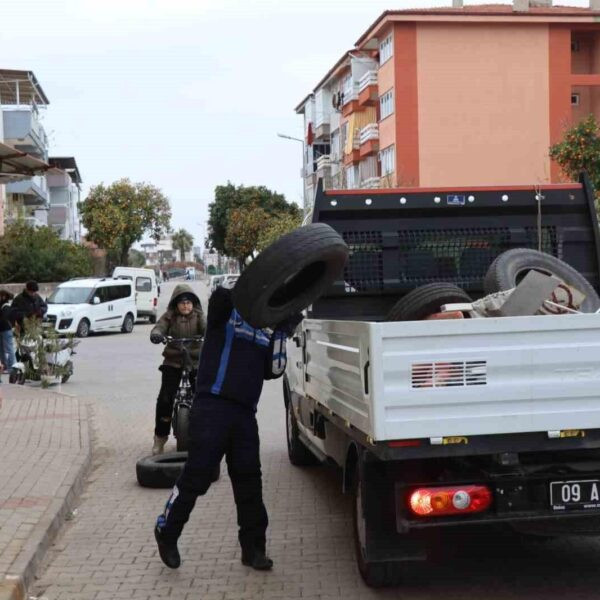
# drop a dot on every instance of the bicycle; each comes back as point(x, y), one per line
point(180, 420)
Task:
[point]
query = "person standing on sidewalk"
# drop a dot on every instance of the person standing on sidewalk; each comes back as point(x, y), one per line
point(7, 341)
point(29, 303)
point(235, 360)
point(184, 318)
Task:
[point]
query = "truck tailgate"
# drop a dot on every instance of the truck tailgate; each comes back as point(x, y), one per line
point(455, 378)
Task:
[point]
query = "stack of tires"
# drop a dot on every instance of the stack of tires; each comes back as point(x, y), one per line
point(283, 280)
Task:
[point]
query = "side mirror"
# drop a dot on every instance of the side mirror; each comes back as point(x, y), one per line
point(96, 300)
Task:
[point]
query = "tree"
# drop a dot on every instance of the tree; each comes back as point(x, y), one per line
point(183, 241)
point(229, 197)
point(243, 230)
point(579, 151)
point(38, 253)
point(119, 215)
point(277, 227)
point(136, 258)
point(212, 270)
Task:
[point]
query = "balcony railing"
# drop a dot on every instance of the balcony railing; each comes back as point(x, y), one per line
point(370, 132)
point(370, 183)
point(34, 190)
point(323, 162)
point(350, 92)
point(369, 78)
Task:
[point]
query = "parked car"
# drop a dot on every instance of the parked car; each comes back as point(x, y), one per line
point(146, 290)
point(81, 306)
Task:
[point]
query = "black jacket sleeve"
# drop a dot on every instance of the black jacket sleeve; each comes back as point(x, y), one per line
point(219, 307)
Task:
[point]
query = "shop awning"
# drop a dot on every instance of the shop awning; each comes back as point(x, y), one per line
point(16, 165)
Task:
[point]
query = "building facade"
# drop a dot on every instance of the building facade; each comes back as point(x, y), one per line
point(64, 185)
point(458, 96)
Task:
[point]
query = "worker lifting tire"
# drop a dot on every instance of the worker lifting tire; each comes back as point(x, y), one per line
point(290, 274)
point(511, 266)
point(426, 300)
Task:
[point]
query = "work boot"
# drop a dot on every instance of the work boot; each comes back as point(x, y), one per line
point(168, 552)
point(159, 445)
point(257, 559)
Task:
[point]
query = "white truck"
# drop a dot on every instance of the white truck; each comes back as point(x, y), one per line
point(449, 422)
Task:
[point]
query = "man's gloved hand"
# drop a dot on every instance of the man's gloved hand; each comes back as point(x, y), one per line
point(157, 338)
point(288, 326)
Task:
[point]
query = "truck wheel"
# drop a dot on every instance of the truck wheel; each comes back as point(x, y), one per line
point(160, 471)
point(152, 319)
point(83, 329)
point(511, 266)
point(298, 453)
point(290, 274)
point(181, 427)
point(374, 574)
point(426, 300)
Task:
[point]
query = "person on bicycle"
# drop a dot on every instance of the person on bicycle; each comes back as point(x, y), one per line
point(184, 318)
point(235, 361)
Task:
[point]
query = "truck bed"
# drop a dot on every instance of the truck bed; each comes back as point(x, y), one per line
point(433, 379)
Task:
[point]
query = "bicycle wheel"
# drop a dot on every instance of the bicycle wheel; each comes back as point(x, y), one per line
point(181, 427)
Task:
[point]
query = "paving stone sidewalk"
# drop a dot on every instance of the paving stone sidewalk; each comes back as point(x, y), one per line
point(44, 456)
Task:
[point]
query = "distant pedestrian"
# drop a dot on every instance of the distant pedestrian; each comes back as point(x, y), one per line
point(7, 342)
point(29, 303)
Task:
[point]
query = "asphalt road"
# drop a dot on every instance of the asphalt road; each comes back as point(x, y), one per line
point(107, 550)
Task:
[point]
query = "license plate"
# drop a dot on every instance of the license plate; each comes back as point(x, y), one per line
point(575, 495)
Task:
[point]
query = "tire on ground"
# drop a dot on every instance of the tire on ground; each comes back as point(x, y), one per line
point(290, 274)
point(163, 470)
point(426, 300)
point(511, 266)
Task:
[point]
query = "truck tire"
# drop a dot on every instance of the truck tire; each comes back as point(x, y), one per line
point(511, 266)
point(298, 453)
point(374, 574)
point(426, 300)
point(290, 274)
point(163, 470)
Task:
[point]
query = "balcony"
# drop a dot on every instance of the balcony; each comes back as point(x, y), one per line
point(33, 190)
point(350, 99)
point(23, 130)
point(322, 126)
point(369, 140)
point(367, 89)
point(353, 157)
point(323, 162)
point(371, 183)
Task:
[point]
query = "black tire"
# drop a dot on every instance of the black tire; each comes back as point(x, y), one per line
point(160, 471)
point(374, 574)
point(181, 428)
point(128, 323)
point(83, 329)
point(152, 319)
point(298, 453)
point(426, 300)
point(511, 266)
point(68, 374)
point(290, 274)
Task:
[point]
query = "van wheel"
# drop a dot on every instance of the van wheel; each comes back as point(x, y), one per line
point(127, 323)
point(152, 319)
point(83, 329)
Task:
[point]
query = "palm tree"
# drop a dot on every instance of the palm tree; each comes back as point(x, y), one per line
point(183, 241)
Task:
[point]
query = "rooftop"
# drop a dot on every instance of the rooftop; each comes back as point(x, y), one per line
point(21, 87)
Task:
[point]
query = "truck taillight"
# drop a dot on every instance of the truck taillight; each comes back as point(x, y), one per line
point(155, 301)
point(455, 500)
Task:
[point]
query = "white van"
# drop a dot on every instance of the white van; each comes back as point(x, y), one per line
point(146, 290)
point(82, 305)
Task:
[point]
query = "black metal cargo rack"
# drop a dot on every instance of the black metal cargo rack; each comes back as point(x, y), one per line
point(402, 238)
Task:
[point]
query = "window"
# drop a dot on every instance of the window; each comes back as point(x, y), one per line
point(385, 49)
point(351, 178)
point(143, 284)
point(574, 99)
point(386, 105)
point(387, 158)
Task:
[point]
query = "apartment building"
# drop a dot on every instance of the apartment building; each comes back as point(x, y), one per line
point(22, 102)
point(64, 185)
point(471, 95)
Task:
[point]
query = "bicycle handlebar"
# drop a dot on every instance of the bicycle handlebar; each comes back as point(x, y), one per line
point(168, 339)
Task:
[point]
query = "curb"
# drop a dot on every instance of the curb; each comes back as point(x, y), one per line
point(23, 570)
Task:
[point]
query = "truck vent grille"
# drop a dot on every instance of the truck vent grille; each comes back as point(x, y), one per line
point(449, 374)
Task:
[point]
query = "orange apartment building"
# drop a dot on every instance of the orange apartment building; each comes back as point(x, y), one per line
point(457, 96)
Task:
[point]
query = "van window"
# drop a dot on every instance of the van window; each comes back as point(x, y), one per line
point(143, 284)
point(103, 293)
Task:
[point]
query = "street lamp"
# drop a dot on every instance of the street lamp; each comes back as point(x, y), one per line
point(296, 139)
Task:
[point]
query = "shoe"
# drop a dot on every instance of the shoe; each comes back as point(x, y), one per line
point(169, 553)
point(159, 445)
point(257, 560)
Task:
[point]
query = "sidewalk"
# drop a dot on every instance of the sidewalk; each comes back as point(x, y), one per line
point(44, 456)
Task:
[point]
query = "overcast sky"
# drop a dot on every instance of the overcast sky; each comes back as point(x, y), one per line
point(185, 94)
